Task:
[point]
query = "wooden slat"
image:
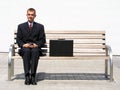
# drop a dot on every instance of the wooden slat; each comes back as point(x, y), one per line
point(76, 37)
point(70, 58)
point(81, 53)
point(80, 41)
point(76, 32)
point(89, 51)
point(72, 37)
point(90, 46)
point(86, 50)
point(84, 41)
point(73, 31)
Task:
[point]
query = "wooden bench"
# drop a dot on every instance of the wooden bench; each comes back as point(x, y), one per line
point(88, 45)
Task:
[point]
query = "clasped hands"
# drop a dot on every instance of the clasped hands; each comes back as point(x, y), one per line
point(30, 45)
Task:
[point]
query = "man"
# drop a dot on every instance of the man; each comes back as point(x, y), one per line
point(30, 38)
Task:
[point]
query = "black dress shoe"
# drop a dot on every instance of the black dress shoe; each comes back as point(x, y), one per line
point(27, 80)
point(33, 81)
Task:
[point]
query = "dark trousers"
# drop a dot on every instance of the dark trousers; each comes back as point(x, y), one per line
point(30, 60)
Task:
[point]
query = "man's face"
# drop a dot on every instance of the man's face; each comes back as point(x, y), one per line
point(31, 15)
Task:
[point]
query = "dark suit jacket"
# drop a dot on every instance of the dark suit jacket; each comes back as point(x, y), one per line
point(36, 35)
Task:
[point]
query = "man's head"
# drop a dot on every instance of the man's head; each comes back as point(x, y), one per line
point(31, 14)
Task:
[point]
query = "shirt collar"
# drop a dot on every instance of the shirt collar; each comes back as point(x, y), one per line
point(29, 23)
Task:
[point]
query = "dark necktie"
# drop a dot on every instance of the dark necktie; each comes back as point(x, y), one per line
point(30, 26)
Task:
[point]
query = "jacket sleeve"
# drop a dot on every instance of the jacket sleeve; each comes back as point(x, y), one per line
point(19, 37)
point(42, 37)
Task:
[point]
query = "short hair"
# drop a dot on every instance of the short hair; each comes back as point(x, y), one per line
point(31, 9)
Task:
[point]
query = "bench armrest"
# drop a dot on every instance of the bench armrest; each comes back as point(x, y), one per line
point(109, 51)
point(12, 50)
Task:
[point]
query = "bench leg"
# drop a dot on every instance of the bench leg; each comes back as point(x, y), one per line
point(111, 70)
point(106, 68)
point(11, 62)
point(10, 69)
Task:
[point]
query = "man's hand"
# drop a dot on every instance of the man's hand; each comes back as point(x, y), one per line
point(35, 45)
point(28, 45)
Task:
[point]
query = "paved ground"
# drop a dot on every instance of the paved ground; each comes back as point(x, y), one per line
point(62, 75)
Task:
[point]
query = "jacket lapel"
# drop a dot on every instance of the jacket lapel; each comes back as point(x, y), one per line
point(33, 28)
point(27, 27)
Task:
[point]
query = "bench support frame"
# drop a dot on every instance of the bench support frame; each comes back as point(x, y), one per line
point(108, 63)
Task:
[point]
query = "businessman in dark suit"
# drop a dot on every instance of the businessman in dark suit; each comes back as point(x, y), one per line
point(30, 38)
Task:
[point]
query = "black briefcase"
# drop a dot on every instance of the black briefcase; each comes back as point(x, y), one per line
point(61, 47)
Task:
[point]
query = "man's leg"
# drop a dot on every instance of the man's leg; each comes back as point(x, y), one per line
point(26, 62)
point(34, 63)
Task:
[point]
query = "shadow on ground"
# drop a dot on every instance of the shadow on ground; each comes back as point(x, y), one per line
point(66, 76)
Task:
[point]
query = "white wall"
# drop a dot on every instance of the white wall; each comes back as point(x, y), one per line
point(62, 15)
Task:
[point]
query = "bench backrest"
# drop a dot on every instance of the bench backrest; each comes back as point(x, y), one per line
point(84, 42)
